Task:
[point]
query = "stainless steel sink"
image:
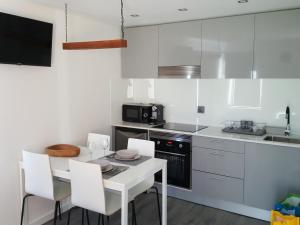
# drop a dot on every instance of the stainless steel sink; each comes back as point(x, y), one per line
point(282, 139)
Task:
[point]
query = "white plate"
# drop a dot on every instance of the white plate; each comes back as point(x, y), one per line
point(126, 154)
point(108, 168)
point(104, 163)
point(130, 159)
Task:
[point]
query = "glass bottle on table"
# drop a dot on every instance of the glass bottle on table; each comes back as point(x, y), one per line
point(91, 147)
point(105, 146)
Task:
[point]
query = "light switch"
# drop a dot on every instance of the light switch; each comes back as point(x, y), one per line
point(201, 109)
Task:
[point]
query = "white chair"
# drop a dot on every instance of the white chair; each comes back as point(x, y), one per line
point(146, 148)
point(88, 191)
point(98, 141)
point(39, 182)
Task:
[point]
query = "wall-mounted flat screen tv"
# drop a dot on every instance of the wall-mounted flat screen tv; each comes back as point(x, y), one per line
point(25, 41)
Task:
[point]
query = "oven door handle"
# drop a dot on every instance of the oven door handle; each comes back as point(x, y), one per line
point(170, 153)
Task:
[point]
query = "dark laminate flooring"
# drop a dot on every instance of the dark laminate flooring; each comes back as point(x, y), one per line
point(179, 213)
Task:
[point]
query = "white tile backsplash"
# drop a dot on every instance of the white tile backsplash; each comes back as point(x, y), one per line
point(231, 99)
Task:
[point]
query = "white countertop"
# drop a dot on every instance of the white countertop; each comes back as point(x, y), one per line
point(147, 127)
point(212, 132)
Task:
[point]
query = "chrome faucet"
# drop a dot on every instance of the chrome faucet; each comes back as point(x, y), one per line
point(288, 125)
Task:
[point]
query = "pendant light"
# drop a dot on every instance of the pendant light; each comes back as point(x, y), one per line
point(101, 44)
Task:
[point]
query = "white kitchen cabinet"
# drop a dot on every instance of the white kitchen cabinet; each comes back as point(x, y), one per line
point(277, 44)
point(219, 162)
point(219, 144)
point(180, 44)
point(218, 168)
point(217, 187)
point(271, 172)
point(227, 47)
point(140, 58)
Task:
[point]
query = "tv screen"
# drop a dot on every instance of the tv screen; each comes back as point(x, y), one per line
point(25, 41)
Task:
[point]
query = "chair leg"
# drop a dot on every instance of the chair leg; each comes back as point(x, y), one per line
point(132, 213)
point(102, 219)
point(107, 219)
point(23, 207)
point(69, 215)
point(87, 216)
point(134, 222)
point(82, 216)
point(55, 212)
point(158, 204)
point(59, 210)
point(99, 219)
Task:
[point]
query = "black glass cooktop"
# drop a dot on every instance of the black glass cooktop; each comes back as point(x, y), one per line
point(181, 127)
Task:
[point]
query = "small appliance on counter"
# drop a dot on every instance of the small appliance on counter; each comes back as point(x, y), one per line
point(245, 127)
point(157, 114)
point(143, 113)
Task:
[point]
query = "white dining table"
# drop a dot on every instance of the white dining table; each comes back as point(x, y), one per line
point(122, 182)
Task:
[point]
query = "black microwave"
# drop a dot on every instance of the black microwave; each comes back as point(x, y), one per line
point(138, 113)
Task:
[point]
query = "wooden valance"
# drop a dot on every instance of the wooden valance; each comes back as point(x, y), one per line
point(118, 43)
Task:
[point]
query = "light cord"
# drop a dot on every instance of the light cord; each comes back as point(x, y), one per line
point(66, 21)
point(122, 19)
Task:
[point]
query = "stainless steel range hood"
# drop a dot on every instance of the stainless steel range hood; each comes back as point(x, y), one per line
point(187, 72)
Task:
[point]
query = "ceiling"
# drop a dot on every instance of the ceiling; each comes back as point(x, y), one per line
point(163, 11)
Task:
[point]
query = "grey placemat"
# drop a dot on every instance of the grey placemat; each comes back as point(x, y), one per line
point(143, 158)
point(109, 174)
point(115, 171)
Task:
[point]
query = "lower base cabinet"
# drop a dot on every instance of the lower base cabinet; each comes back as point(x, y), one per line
point(271, 172)
point(217, 187)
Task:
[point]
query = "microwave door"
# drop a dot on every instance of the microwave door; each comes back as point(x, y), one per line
point(137, 113)
point(131, 114)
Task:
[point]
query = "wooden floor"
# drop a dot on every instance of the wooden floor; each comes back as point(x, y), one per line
point(179, 213)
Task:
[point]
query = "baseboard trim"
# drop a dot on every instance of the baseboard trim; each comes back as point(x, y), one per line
point(237, 208)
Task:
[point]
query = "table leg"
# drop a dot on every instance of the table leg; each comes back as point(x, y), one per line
point(124, 210)
point(22, 191)
point(164, 195)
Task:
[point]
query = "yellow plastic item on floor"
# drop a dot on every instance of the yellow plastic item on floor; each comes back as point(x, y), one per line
point(278, 219)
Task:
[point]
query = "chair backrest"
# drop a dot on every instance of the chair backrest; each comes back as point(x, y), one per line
point(144, 147)
point(98, 141)
point(38, 175)
point(87, 186)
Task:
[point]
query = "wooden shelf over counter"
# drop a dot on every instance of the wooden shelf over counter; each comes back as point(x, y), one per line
point(119, 43)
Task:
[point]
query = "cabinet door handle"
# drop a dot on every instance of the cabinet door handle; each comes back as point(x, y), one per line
point(171, 153)
point(216, 154)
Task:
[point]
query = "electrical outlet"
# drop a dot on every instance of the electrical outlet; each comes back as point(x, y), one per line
point(201, 109)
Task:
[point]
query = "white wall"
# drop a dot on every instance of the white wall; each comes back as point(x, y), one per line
point(42, 106)
point(263, 101)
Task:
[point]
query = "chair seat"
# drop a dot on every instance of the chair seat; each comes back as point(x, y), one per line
point(62, 189)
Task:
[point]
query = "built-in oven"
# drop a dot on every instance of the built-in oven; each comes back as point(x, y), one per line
point(176, 149)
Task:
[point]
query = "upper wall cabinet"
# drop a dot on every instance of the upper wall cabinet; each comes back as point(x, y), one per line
point(227, 45)
point(277, 45)
point(140, 59)
point(180, 44)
